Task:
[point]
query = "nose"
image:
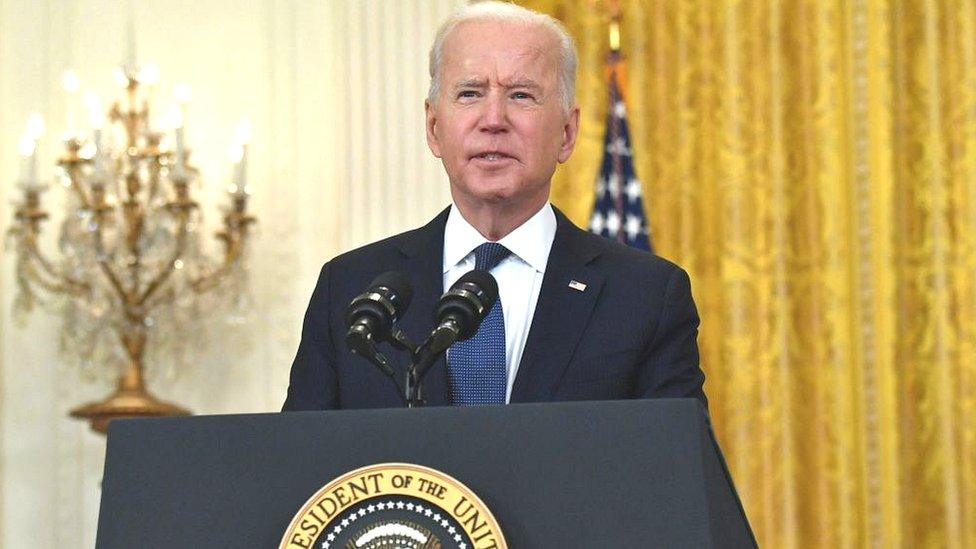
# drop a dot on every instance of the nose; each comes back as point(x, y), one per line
point(494, 117)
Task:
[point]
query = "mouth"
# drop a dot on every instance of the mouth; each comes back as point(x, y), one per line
point(493, 157)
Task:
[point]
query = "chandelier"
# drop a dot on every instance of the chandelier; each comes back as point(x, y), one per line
point(130, 272)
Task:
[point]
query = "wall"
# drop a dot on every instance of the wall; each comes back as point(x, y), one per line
point(334, 91)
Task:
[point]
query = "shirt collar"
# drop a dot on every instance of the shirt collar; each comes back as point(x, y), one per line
point(531, 241)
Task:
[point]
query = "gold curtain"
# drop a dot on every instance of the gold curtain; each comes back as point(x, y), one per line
point(812, 163)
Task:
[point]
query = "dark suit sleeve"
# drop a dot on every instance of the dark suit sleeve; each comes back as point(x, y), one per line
point(671, 362)
point(313, 383)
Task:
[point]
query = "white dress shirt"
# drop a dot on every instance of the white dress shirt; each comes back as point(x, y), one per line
point(519, 275)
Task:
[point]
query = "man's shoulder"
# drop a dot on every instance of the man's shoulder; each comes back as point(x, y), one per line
point(407, 243)
point(620, 259)
point(368, 252)
point(374, 254)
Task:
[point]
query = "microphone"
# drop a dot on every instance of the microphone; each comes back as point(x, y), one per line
point(371, 315)
point(458, 315)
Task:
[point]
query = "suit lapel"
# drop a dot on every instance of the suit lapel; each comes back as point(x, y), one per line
point(424, 261)
point(561, 313)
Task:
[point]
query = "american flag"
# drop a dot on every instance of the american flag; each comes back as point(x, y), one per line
point(619, 209)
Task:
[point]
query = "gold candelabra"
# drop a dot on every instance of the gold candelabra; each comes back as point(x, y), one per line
point(128, 232)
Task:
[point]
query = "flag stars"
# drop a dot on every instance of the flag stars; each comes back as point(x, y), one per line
point(597, 223)
point(618, 212)
point(601, 186)
point(613, 223)
point(620, 110)
point(633, 190)
point(618, 147)
point(633, 227)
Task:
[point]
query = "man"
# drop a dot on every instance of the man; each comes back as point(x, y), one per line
point(579, 317)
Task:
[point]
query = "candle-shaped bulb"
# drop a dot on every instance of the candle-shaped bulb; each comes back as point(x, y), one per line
point(175, 117)
point(149, 74)
point(120, 78)
point(236, 152)
point(28, 169)
point(182, 93)
point(95, 113)
point(242, 136)
point(70, 82)
point(88, 150)
point(35, 125)
point(26, 145)
point(35, 129)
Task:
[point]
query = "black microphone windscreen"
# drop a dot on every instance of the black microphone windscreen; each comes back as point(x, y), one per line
point(399, 283)
point(483, 281)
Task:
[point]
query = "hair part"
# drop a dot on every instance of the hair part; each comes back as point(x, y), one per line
point(503, 11)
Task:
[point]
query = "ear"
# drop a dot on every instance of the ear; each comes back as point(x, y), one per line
point(570, 130)
point(432, 142)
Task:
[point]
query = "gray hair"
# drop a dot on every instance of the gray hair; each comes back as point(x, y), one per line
point(504, 11)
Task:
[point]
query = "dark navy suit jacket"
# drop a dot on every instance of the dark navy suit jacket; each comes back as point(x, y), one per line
point(632, 333)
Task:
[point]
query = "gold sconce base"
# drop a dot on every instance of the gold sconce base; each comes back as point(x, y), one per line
point(125, 404)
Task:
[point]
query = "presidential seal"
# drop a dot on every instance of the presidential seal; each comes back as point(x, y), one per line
point(392, 506)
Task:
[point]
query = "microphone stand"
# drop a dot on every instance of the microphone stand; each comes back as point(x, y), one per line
point(422, 358)
point(412, 389)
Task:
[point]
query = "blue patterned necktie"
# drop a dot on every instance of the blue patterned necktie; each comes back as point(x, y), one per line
point(476, 366)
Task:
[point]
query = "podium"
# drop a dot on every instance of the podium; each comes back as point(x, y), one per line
point(640, 473)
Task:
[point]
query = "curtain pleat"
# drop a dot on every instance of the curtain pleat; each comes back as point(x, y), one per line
point(812, 163)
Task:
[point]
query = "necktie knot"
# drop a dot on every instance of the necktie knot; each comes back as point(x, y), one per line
point(489, 255)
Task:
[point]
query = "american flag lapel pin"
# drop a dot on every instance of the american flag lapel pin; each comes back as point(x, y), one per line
point(577, 285)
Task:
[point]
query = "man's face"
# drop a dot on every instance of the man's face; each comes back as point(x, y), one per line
point(498, 124)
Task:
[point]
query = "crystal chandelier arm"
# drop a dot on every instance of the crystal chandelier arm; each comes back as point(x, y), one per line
point(28, 274)
point(167, 269)
point(162, 296)
point(72, 166)
point(64, 283)
point(234, 248)
point(155, 167)
point(28, 217)
point(234, 236)
point(102, 258)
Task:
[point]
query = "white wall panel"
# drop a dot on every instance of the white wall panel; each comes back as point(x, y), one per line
point(334, 91)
